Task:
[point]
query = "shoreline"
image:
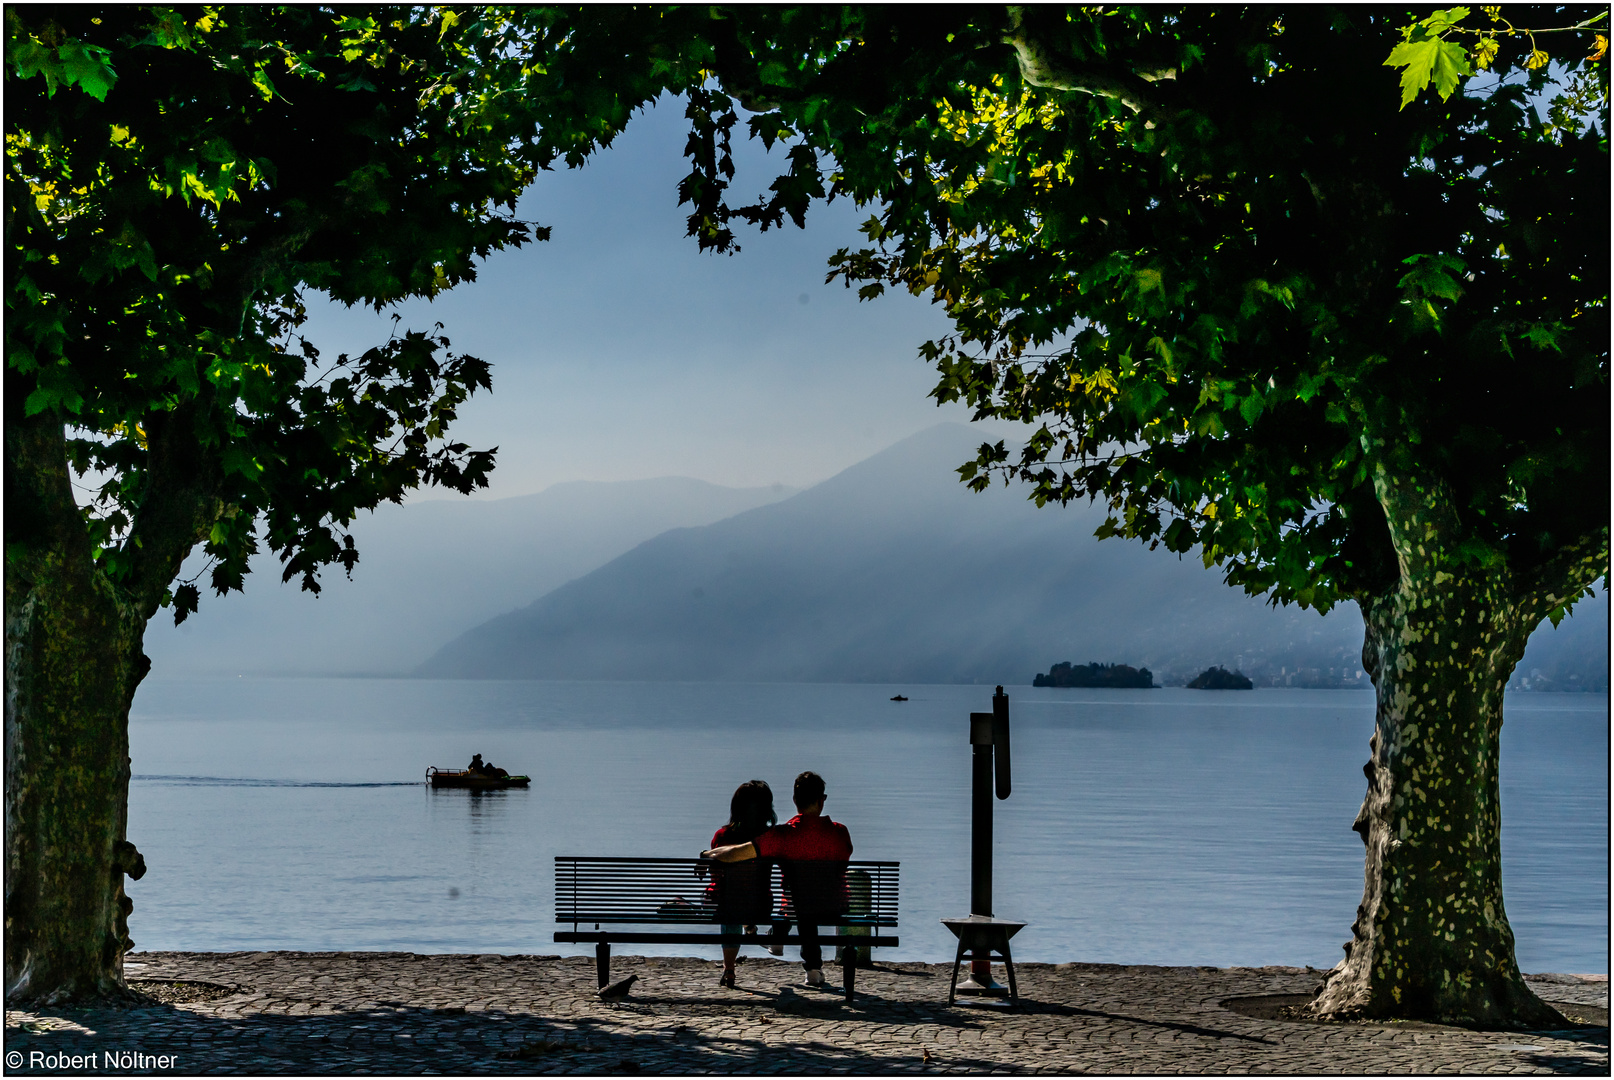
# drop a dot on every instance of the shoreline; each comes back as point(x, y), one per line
point(348, 1012)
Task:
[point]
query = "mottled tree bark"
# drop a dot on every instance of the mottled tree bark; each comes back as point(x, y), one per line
point(1431, 938)
point(73, 660)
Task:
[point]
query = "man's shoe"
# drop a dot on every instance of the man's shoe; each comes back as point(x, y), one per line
point(815, 976)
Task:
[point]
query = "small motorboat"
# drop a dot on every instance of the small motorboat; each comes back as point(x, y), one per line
point(465, 778)
point(898, 697)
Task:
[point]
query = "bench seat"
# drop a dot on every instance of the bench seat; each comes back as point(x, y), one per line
point(654, 901)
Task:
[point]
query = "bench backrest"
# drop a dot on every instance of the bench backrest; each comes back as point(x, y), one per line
point(599, 889)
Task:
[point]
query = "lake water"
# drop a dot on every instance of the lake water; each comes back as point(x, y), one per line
point(1161, 827)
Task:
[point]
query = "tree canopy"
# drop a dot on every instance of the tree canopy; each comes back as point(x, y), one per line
point(1226, 299)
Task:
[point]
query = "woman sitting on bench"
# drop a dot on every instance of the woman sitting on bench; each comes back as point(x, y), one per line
point(740, 892)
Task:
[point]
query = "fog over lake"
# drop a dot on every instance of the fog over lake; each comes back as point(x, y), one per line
point(890, 570)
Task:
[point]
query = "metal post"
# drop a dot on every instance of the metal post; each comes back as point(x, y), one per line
point(1000, 741)
point(980, 980)
point(981, 935)
point(981, 816)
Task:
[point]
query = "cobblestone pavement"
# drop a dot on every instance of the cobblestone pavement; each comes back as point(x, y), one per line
point(355, 1013)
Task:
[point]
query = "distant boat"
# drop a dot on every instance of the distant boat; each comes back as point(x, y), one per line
point(465, 778)
point(898, 697)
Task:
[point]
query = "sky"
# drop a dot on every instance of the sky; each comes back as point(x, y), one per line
point(622, 352)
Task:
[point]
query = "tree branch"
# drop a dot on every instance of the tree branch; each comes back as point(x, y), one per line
point(1574, 567)
point(1041, 66)
point(177, 512)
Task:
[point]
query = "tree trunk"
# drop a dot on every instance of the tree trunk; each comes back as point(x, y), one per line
point(1431, 939)
point(73, 660)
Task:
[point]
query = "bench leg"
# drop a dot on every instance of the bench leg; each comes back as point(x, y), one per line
point(849, 970)
point(602, 963)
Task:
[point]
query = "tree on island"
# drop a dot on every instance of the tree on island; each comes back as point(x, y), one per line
point(1219, 678)
point(1118, 676)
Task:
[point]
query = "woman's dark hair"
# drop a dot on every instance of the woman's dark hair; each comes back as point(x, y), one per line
point(751, 809)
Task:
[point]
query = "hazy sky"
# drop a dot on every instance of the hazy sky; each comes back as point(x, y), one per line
point(620, 352)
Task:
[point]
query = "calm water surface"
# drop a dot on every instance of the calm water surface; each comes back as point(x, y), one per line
point(1159, 827)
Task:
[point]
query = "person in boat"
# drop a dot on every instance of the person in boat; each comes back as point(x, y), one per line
point(478, 767)
point(742, 893)
point(819, 889)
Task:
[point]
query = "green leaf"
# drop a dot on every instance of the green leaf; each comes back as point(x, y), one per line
point(1543, 336)
point(260, 79)
point(237, 459)
point(184, 600)
point(50, 394)
point(1250, 408)
point(1430, 61)
point(87, 66)
point(41, 399)
point(1439, 22)
point(29, 58)
point(1434, 276)
point(170, 30)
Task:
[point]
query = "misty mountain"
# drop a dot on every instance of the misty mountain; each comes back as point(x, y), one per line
point(1572, 656)
point(427, 571)
point(892, 571)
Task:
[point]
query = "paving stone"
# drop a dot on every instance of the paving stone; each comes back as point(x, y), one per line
point(397, 1013)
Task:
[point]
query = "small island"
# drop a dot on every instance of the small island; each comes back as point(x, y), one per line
point(1109, 676)
point(1219, 678)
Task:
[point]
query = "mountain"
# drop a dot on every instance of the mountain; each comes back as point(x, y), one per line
point(427, 571)
point(1572, 656)
point(892, 571)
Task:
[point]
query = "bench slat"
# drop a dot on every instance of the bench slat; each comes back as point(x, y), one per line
point(652, 891)
point(594, 937)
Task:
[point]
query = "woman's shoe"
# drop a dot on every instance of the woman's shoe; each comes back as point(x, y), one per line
point(727, 980)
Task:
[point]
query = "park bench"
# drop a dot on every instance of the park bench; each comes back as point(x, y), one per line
point(665, 901)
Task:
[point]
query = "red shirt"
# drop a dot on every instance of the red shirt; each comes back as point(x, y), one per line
point(729, 834)
point(806, 838)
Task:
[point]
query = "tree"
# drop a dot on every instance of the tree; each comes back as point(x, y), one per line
point(174, 182)
point(1347, 349)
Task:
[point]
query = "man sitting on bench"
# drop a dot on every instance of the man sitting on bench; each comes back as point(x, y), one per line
point(818, 893)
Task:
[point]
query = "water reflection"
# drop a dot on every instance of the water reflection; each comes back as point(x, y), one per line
point(484, 809)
